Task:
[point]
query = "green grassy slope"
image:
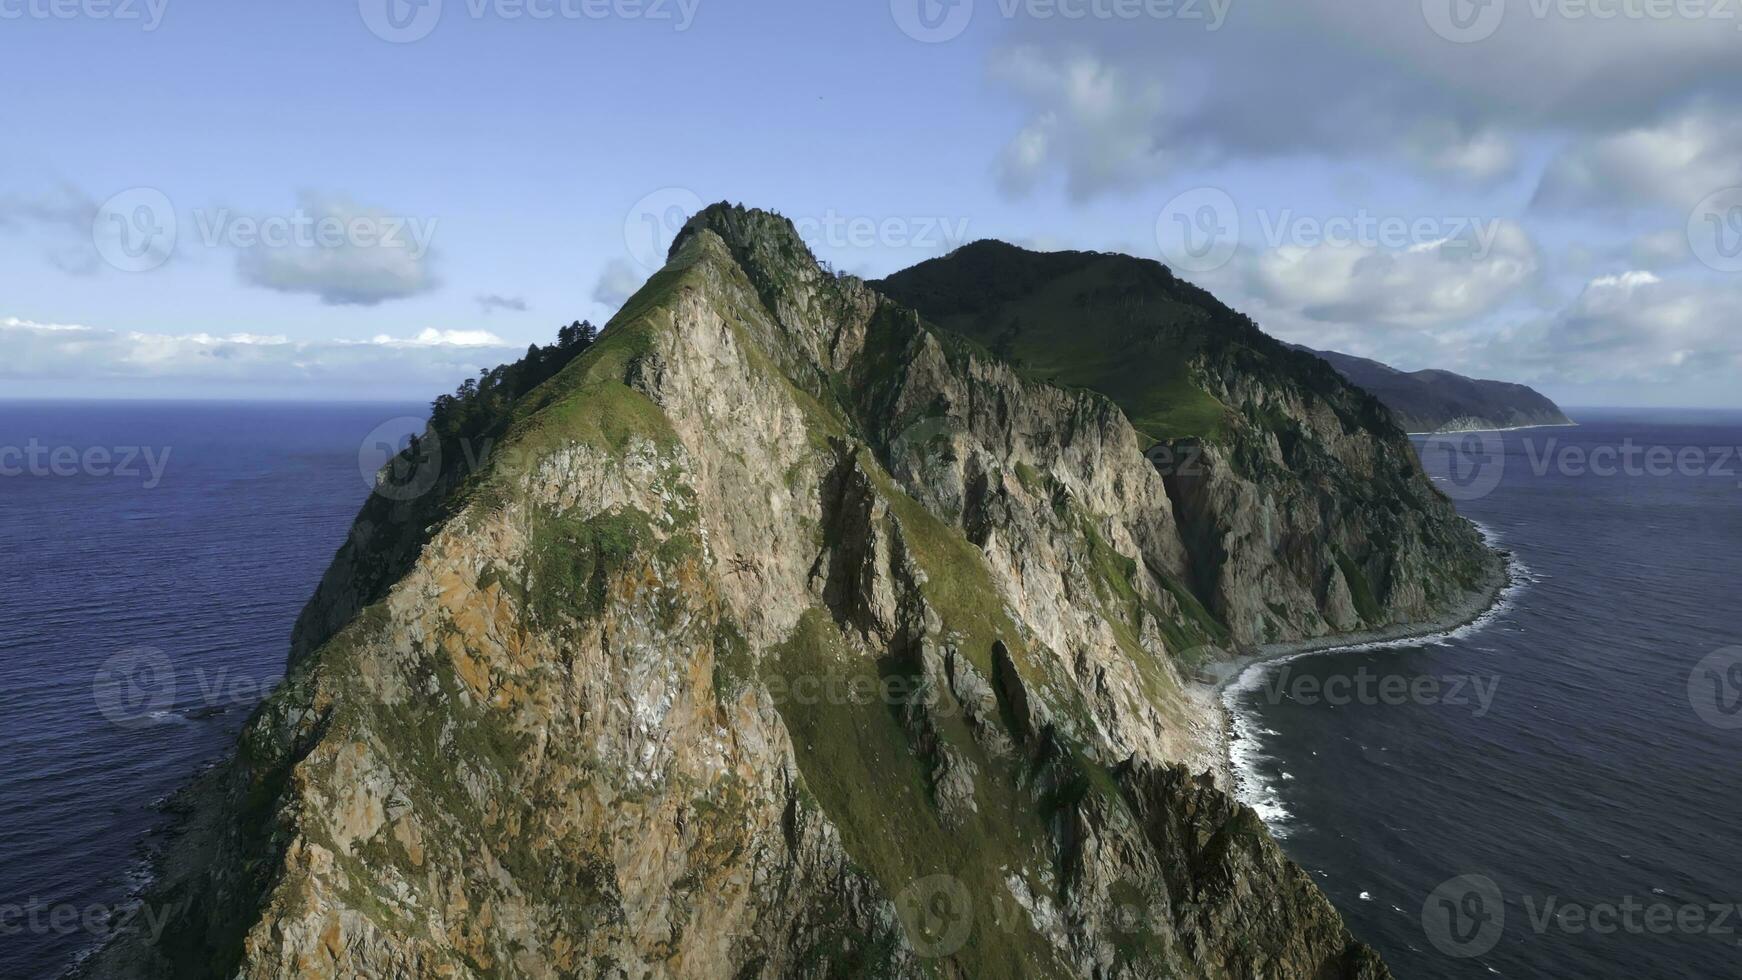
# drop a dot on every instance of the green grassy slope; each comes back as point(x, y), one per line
point(1123, 326)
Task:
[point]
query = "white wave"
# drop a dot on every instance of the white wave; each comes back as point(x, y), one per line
point(1245, 748)
point(1245, 752)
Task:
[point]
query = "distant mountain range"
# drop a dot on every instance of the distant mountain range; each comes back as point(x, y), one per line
point(1429, 401)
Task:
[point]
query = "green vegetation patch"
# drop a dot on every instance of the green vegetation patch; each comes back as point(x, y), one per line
point(1176, 408)
point(571, 560)
point(591, 400)
point(864, 771)
point(1108, 326)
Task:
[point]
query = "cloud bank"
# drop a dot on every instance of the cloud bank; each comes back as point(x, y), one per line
point(420, 366)
point(372, 256)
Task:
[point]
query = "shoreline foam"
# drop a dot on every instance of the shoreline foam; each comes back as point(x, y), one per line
point(1241, 735)
point(1510, 428)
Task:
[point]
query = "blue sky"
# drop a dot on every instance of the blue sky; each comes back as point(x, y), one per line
point(1520, 196)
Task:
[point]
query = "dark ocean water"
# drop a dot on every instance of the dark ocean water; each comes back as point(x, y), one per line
point(145, 606)
point(1574, 808)
point(143, 614)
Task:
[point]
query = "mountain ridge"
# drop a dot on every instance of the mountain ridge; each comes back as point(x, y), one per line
point(1268, 436)
point(550, 715)
point(1434, 400)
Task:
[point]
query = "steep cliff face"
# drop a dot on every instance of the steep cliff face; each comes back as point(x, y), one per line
point(779, 635)
point(1301, 504)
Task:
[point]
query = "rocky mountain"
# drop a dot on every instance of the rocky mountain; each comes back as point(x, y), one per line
point(1436, 401)
point(1299, 502)
point(781, 632)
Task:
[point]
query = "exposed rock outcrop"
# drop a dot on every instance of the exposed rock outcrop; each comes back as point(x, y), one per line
point(1300, 503)
point(780, 635)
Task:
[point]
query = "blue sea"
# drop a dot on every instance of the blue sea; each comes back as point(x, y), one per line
point(1548, 786)
point(1553, 791)
point(155, 555)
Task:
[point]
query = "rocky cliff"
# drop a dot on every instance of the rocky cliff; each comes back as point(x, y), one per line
point(1440, 401)
point(1300, 503)
point(784, 634)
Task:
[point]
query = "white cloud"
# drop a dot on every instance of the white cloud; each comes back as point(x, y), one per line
point(1444, 148)
point(433, 360)
point(1113, 101)
point(1626, 281)
point(1661, 249)
point(1595, 113)
point(430, 337)
point(1655, 251)
point(1427, 284)
point(1676, 162)
point(1636, 326)
point(1094, 119)
point(379, 257)
point(1646, 336)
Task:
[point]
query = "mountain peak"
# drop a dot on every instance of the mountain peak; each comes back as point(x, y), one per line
point(763, 477)
point(746, 231)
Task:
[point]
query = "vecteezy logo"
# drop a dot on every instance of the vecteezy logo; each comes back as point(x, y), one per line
point(1715, 688)
point(1464, 21)
point(1465, 916)
point(1465, 465)
point(932, 21)
point(135, 230)
point(1198, 231)
point(400, 21)
point(650, 226)
point(134, 686)
point(938, 914)
point(398, 460)
point(1715, 230)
